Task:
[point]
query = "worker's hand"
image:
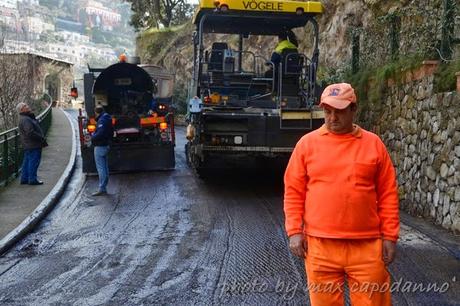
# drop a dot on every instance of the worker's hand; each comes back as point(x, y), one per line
point(389, 251)
point(298, 245)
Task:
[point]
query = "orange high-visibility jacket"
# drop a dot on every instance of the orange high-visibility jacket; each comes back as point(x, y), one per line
point(341, 186)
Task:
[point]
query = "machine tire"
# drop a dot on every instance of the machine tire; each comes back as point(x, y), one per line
point(202, 173)
point(197, 165)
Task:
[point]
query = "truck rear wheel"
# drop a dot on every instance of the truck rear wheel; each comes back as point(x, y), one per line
point(196, 163)
point(202, 173)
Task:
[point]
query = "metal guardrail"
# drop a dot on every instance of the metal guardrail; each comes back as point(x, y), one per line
point(11, 150)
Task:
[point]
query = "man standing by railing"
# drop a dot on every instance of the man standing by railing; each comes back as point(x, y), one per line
point(33, 140)
point(101, 140)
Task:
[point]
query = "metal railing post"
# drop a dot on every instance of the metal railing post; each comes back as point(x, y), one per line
point(5, 159)
point(16, 153)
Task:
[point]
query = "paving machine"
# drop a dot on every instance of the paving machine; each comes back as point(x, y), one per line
point(251, 109)
point(138, 97)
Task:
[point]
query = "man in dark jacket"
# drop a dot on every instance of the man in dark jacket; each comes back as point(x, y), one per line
point(101, 140)
point(33, 140)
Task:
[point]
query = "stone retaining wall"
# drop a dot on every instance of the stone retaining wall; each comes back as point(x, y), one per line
point(422, 132)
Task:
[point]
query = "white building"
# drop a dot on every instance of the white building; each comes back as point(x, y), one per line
point(30, 2)
point(72, 37)
point(14, 46)
point(79, 53)
point(37, 25)
point(10, 17)
point(64, 51)
point(12, 4)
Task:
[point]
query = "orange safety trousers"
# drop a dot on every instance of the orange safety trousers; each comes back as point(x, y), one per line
point(329, 261)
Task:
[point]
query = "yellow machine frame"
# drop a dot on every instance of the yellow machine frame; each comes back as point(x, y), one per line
point(313, 7)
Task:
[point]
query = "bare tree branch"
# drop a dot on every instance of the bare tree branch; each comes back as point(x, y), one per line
point(16, 77)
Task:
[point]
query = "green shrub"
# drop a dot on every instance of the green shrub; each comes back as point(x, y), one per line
point(371, 83)
point(444, 78)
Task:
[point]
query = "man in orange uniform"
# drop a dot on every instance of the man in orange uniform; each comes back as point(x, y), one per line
point(341, 206)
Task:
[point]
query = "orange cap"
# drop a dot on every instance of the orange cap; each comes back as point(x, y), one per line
point(338, 96)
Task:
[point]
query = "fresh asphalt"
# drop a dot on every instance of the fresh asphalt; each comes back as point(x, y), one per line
point(168, 238)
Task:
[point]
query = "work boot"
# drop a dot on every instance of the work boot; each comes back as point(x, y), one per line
point(37, 182)
point(99, 193)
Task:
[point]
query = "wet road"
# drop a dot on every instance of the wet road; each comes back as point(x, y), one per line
point(168, 238)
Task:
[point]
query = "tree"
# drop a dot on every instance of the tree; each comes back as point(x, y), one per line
point(159, 13)
point(17, 73)
point(15, 86)
point(182, 13)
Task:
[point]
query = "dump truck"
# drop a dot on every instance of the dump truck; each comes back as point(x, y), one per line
point(139, 99)
point(251, 110)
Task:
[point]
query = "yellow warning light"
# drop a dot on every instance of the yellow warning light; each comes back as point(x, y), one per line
point(91, 128)
point(163, 126)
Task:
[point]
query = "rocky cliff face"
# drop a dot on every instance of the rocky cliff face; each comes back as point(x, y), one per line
point(173, 49)
point(170, 49)
point(339, 17)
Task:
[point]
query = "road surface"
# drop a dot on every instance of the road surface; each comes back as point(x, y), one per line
point(169, 238)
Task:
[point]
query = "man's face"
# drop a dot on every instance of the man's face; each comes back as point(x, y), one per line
point(339, 121)
point(25, 109)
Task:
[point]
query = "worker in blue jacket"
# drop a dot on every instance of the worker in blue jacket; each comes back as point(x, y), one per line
point(101, 140)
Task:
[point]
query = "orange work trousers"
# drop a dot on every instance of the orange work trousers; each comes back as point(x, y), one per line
point(329, 261)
